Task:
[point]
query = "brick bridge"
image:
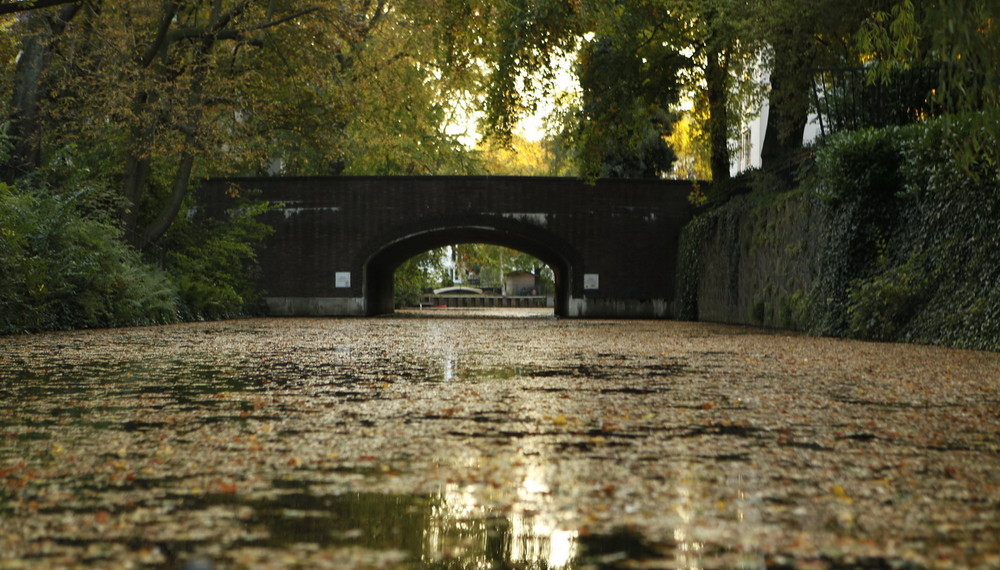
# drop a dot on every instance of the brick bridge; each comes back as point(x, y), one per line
point(338, 240)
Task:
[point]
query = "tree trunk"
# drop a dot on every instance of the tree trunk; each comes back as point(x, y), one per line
point(169, 210)
point(29, 76)
point(137, 171)
point(138, 165)
point(716, 76)
point(788, 110)
point(182, 176)
point(15, 7)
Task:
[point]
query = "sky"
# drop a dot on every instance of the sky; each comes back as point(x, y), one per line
point(531, 127)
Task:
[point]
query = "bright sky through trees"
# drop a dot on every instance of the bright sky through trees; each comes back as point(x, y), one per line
point(534, 126)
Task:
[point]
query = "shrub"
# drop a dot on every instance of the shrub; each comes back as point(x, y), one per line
point(214, 263)
point(912, 249)
point(59, 269)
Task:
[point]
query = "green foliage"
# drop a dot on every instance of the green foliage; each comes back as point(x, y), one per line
point(912, 252)
point(860, 165)
point(961, 35)
point(214, 263)
point(6, 144)
point(520, 40)
point(689, 263)
point(857, 181)
point(880, 306)
point(960, 39)
point(143, 96)
point(59, 269)
point(628, 84)
point(415, 276)
point(893, 36)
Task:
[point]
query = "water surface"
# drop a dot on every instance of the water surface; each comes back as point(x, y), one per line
point(483, 442)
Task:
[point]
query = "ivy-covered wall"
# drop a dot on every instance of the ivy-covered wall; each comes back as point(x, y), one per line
point(893, 235)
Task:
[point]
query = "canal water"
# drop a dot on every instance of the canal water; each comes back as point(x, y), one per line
point(493, 440)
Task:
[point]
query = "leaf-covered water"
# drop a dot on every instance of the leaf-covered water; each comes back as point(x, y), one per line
point(493, 443)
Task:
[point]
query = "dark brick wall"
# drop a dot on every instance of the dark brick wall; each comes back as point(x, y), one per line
point(624, 230)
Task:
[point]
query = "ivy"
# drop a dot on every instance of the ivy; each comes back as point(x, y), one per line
point(901, 231)
point(689, 264)
point(912, 253)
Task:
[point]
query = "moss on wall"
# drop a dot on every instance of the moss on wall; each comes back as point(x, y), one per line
point(750, 261)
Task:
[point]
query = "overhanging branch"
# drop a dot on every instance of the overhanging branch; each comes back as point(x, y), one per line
point(15, 6)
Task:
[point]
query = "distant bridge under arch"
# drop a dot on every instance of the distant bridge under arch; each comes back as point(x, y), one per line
point(338, 240)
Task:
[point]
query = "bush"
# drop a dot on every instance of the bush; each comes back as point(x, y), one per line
point(214, 263)
point(860, 165)
point(414, 276)
point(60, 270)
point(912, 249)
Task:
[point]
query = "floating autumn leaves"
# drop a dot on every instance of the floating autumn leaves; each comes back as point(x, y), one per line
point(460, 443)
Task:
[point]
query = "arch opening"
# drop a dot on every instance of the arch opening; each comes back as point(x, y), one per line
point(380, 267)
point(475, 276)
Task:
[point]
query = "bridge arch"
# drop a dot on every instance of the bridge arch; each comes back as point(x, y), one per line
point(337, 240)
point(384, 255)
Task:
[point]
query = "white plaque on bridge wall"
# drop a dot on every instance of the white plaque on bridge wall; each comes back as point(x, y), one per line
point(591, 281)
point(343, 279)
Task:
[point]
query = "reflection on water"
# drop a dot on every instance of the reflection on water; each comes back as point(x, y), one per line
point(442, 530)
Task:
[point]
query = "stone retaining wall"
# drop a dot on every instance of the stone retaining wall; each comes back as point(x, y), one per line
point(752, 262)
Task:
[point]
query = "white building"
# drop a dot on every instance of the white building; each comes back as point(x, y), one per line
point(747, 147)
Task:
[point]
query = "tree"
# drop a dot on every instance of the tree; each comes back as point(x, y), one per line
point(423, 271)
point(724, 55)
point(152, 71)
point(367, 95)
point(800, 37)
point(959, 37)
point(490, 263)
point(523, 157)
point(629, 79)
point(176, 66)
point(634, 60)
point(147, 95)
point(692, 155)
point(40, 31)
point(628, 62)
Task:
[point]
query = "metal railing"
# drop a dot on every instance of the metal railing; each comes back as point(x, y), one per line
point(853, 98)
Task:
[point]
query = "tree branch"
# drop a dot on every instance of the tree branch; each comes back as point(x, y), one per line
point(216, 32)
point(15, 6)
point(162, 37)
point(230, 15)
point(280, 21)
